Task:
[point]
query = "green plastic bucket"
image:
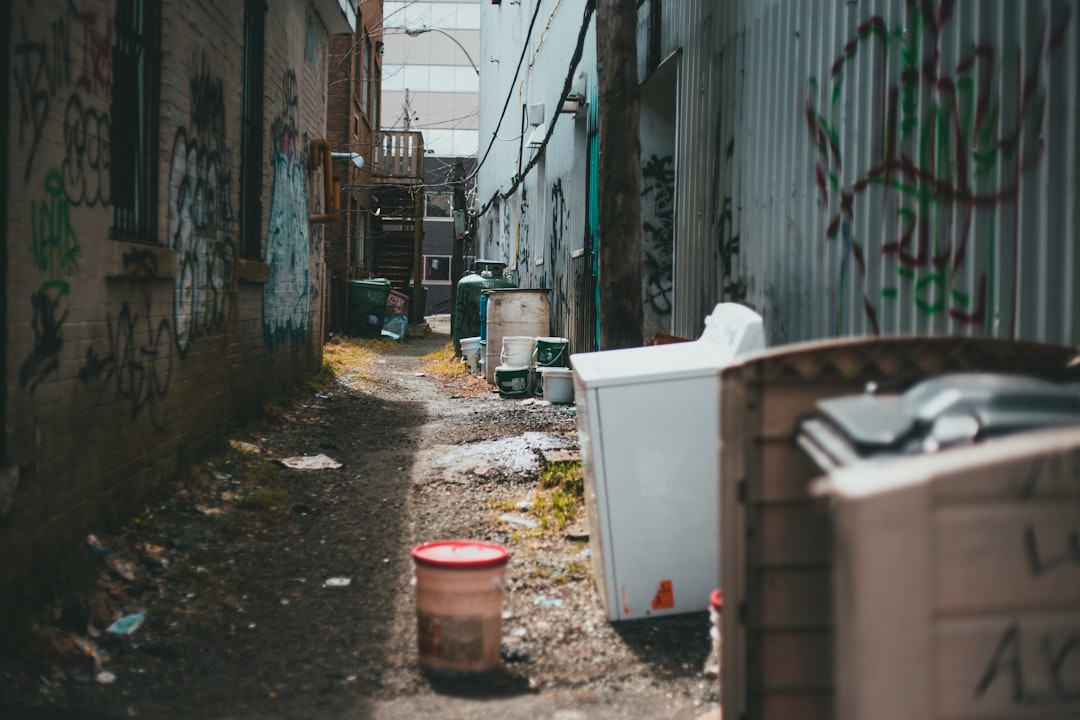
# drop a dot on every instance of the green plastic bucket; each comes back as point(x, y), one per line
point(513, 382)
point(552, 351)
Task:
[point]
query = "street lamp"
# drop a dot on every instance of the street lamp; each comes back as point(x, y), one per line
point(413, 32)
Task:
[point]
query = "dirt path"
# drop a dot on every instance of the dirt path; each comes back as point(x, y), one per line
point(240, 622)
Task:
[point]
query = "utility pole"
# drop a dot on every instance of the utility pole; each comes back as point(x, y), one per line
point(621, 310)
point(457, 258)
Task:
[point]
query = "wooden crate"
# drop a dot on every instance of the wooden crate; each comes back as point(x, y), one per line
point(776, 538)
point(956, 582)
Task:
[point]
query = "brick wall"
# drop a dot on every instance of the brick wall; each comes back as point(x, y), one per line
point(122, 356)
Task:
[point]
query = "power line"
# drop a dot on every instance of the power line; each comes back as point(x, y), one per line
point(590, 5)
point(510, 92)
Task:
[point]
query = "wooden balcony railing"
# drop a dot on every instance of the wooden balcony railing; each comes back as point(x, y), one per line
point(398, 155)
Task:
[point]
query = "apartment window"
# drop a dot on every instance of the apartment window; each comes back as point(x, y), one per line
point(365, 90)
point(437, 268)
point(438, 205)
point(251, 128)
point(136, 65)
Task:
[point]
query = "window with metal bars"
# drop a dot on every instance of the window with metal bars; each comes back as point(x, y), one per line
point(251, 141)
point(134, 112)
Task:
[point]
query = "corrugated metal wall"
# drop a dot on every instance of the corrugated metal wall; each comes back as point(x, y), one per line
point(877, 166)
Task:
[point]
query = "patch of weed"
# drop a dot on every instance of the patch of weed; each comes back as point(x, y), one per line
point(443, 363)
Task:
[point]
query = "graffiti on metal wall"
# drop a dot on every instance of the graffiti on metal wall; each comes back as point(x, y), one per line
point(200, 215)
point(952, 152)
point(286, 296)
point(560, 246)
point(658, 232)
point(722, 217)
point(136, 360)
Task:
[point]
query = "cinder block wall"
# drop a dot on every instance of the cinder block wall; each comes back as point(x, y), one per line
point(123, 356)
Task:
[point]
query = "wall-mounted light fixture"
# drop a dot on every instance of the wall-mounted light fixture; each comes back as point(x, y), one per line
point(356, 158)
point(536, 138)
point(574, 101)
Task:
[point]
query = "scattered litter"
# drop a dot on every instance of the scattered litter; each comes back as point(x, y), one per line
point(421, 374)
point(127, 624)
point(577, 532)
point(524, 505)
point(338, 582)
point(382, 361)
point(534, 401)
point(222, 477)
point(322, 396)
point(516, 520)
point(507, 615)
point(155, 554)
point(122, 568)
point(520, 633)
point(245, 447)
point(310, 462)
point(105, 677)
point(284, 601)
point(548, 602)
point(584, 553)
point(96, 547)
point(207, 510)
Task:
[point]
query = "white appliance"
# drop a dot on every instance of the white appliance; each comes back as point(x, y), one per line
point(648, 420)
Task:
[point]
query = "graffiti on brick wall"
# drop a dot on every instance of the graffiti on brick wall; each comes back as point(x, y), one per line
point(41, 67)
point(95, 74)
point(658, 233)
point(200, 215)
point(55, 250)
point(86, 154)
point(135, 362)
point(311, 44)
point(286, 296)
point(952, 153)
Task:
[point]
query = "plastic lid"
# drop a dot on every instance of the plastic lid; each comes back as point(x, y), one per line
point(553, 370)
point(716, 598)
point(462, 554)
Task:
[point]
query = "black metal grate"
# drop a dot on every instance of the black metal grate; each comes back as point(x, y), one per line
point(134, 120)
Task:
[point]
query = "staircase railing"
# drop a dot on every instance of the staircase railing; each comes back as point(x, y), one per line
point(399, 154)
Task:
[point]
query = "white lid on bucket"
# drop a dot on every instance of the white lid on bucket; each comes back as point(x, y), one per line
point(557, 371)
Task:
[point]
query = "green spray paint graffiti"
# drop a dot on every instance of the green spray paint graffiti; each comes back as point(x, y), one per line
point(948, 153)
point(55, 250)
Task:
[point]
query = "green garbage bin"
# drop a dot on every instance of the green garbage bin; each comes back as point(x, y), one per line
point(367, 306)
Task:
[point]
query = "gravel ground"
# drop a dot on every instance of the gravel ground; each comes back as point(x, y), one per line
point(230, 571)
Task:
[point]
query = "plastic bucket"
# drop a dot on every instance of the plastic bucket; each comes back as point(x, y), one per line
point(512, 381)
point(552, 351)
point(459, 597)
point(557, 383)
point(470, 351)
point(517, 351)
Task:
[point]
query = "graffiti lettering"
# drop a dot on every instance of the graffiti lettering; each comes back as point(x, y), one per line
point(87, 154)
point(658, 232)
point(286, 296)
point(140, 372)
point(45, 357)
point(41, 69)
point(53, 244)
point(943, 145)
point(1051, 680)
point(207, 104)
point(96, 75)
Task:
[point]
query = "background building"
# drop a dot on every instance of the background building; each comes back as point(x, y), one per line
point(431, 85)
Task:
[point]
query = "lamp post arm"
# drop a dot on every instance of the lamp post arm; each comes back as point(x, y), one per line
point(421, 31)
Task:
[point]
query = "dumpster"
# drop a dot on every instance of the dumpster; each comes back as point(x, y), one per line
point(776, 536)
point(367, 306)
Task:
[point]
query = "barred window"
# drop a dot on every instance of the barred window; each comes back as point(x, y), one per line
point(134, 114)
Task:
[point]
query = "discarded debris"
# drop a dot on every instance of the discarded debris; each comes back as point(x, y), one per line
point(122, 568)
point(548, 602)
point(127, 624)
point(517, 520)
point(95, 546)
point(154, 554)
point(244, 447)
point(105, 677)
point(310, 462)
point(524, 505)
point(338, 582)
point(207, 510)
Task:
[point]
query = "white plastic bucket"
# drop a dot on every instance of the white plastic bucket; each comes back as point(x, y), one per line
point(513, 381)
point(459, 597)
point(517, 351)
point(557, 383)
point(470, 351)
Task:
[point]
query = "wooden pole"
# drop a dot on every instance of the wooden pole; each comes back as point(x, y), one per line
point(621, 309)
